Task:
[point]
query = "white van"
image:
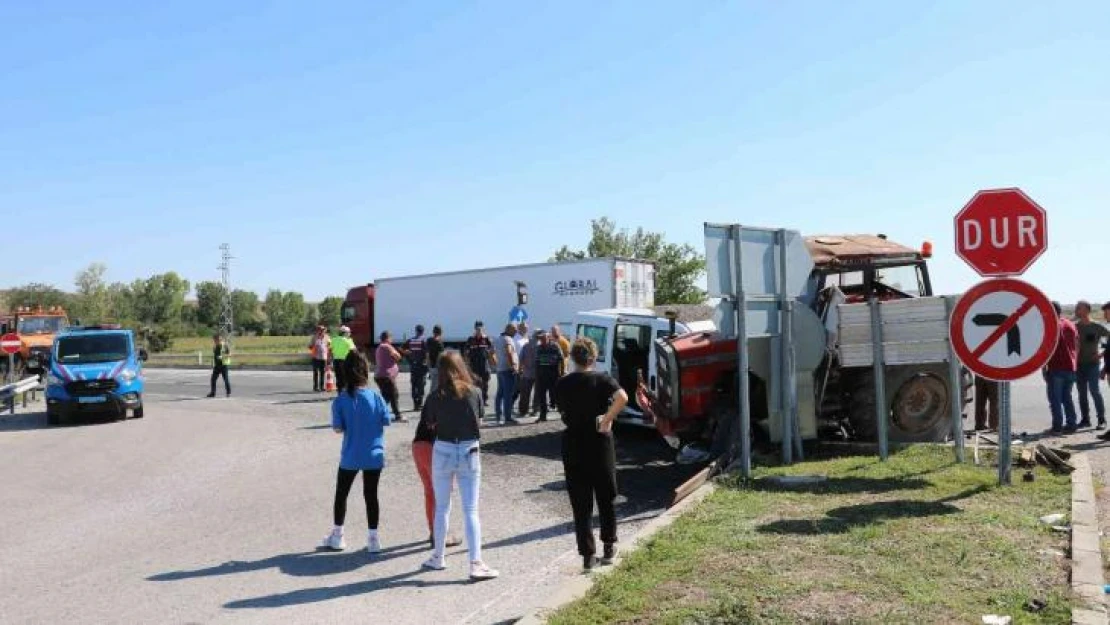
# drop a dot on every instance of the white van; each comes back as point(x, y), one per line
point(625, 340)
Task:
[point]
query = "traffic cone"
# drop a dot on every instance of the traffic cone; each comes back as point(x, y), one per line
point(329, 379)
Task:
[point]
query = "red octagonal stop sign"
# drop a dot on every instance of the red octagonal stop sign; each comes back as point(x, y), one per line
point(1000, 232)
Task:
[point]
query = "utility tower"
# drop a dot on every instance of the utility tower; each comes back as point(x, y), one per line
point(227, 316)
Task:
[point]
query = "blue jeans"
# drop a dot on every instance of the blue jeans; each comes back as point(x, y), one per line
point(461, 461)
point(1088, 380)
point(1059, 385)
point(506, 388)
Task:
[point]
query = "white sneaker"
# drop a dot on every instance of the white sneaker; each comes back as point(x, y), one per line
point(479, 571)
point(334, 541)
point(434, 563)
point(373, 544)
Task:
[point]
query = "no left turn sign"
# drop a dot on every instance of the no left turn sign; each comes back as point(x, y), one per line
point(1004, 329)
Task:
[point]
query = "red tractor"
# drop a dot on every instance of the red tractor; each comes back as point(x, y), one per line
point(696, 398)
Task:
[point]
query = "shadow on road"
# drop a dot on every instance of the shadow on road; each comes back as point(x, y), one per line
point(304, 564)
point(327, 593)
point(322, 426)
point(311, 400)
point(646, 472)
point(28, 421)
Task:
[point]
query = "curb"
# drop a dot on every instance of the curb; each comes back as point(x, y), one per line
point(576, 587)
point(1087, 581)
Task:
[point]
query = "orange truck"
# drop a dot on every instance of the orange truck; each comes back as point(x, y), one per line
point(36, 328)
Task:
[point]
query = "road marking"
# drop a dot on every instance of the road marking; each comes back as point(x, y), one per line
point(1003, 328)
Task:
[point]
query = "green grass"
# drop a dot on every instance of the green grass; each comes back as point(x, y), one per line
point(253, 360)
point(918, 539)
point(243, 345)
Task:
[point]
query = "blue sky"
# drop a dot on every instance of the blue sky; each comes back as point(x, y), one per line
point(334, 143)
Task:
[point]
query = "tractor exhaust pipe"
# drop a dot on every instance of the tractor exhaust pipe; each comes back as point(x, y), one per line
point(672, 318)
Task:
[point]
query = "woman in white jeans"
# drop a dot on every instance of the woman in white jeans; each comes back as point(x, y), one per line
point(453, 412)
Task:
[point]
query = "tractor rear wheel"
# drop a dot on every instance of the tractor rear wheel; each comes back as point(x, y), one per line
point(918, 400)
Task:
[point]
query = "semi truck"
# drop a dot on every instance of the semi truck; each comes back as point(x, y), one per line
point(835, 279)
point(542, 294)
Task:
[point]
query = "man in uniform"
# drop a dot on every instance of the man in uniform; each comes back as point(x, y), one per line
point(435, 350)
point(221, 358)
point(416, 350)
point(479, 356)
point(340, 348)
point(549, 365)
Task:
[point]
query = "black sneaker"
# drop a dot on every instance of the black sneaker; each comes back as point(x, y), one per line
point(609, 555)
point(210, 395)
point(1101, 424)
point(1070, 429)
point(1085, 423)
point(589, 562)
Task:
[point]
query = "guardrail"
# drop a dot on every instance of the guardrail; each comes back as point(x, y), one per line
point(9, 392)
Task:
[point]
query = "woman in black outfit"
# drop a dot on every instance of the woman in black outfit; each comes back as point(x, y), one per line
point(589, 402)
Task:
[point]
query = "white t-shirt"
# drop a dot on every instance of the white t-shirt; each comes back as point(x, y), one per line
point(520, 342)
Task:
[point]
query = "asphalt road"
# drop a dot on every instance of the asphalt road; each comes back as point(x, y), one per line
point(210, 510)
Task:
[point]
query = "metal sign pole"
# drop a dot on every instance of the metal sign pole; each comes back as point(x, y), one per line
point(955, 401)
point(786, 333)
point(1004, 433)
point(742, 348)
point(784, 362)
point(878, 373)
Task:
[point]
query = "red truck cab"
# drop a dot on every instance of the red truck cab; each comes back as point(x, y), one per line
point(358, 315)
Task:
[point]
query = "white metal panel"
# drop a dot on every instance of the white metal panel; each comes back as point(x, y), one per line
point(556, 291)
point(915, 331)
point(757, 256)
point(635, 284)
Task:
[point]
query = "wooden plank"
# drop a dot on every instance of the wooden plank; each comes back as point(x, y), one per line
point(694, 483)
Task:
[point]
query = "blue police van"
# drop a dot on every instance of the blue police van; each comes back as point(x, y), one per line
point(94, 370)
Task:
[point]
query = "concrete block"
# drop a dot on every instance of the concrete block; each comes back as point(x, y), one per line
point(1088, 617)
point(1084, 513)
point(1091, 595)
point(1086, 568)
point(1086, 539)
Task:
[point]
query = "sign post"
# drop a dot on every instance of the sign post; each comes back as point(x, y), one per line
point(999, 233)
point(10, 344)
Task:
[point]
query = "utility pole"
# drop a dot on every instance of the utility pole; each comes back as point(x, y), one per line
point(227, 316)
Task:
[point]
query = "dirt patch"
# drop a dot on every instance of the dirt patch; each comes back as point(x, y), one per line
point(832, 607)
point(680, 592)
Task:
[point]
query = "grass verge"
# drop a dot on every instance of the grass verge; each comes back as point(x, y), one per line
point(243, 345)
point(918, 539)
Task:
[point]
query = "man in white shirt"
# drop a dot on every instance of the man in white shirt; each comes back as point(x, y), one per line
point(519, 341)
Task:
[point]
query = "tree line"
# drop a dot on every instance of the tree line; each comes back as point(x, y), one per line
point(158, 306)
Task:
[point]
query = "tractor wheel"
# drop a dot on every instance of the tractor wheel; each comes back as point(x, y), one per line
point(138, 413)
point(918, 401)
point(53, 417)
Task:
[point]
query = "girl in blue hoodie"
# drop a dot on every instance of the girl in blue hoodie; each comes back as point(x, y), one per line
point(360, 414)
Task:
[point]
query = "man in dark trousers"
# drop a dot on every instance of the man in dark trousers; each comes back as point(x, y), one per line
point(549, 363)
point(479, 356)
point(986, 391)
point(221, 358)
point(416, 351)
point(435, 350)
